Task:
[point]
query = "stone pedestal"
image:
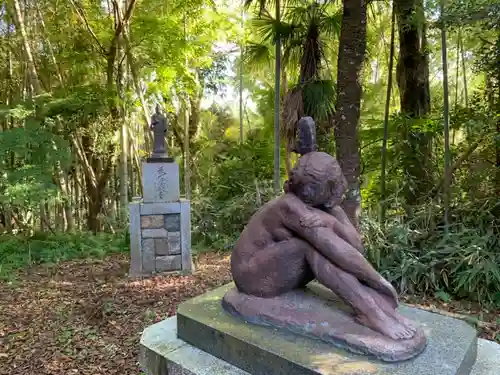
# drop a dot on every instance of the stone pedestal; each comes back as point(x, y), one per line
point(163, 353)
point(160, 222)
point(207, 340)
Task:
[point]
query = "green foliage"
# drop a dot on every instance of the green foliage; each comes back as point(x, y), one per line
point(218, 224)
point(416, 252)
point(319, 99)
point(235, 180)
point(30, 156)
point(463, 262)
point(18, 251)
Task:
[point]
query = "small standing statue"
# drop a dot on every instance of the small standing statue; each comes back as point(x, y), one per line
point(159, 126)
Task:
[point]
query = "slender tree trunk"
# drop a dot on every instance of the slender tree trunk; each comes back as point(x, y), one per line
point(447, 157)
point(496, 139)
point(352, 48)
point(59, 216)
point(49, 45)
point(457, 72)
point(187, 171)
point(413, 82)
point(76, 192)
point(135, 78)
point(43, 217)
point(386, 121)
point(10, 99)
point(277, 107)
point(27, 48)
point(464, 71)
point(123, 173)
point(68, 205)
point(123, 178)
point(132, 176)
point(241, 81)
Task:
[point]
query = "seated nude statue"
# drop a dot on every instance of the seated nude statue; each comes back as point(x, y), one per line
point(305, 235)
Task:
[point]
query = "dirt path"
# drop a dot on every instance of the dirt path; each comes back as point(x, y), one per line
point(86, 317)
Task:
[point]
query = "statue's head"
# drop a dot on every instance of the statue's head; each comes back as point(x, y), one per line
point(317, 180)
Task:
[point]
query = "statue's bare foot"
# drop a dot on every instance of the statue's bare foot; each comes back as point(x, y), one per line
point(385, 324)
point(385, 304)
point(403, 320)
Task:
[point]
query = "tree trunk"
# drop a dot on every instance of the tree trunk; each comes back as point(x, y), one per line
point(447, 156)
point(240, 73)
point(496, 140)
point(464, 70)
point(277, 107)
point(352, 48)
point(68, 205)
point(186, 157)
point(195, 113)
point(187, 171)
point(27, 49)
point(77, 199)
point(7, 213)
point(59, 216)
point(386, 121)
point(122, 203)
point(49, 45)
point(123, 175)
point(413, 81)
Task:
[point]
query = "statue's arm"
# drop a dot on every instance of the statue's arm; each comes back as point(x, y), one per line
point(328, 241)
point(300, 218)
point(297, 216)
point(345, 229)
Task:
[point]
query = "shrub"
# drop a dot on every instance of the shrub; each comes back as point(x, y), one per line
point(463, 261)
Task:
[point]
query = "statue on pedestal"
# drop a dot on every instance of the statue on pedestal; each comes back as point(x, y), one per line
point(159, 126)
point(305, 235)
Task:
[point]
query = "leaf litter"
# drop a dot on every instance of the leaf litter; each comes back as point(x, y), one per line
point(86, 317)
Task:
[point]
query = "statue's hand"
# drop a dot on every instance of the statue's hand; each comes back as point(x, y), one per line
point(311, 220)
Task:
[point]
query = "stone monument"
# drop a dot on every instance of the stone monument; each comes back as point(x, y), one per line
point(160, 221)
point(305, 300)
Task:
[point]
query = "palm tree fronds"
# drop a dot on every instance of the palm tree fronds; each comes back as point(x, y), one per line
point(269, 29)
point(306, 12)
point(257, 55)
point(319, 99)
point(292, 52)
point(331, 24)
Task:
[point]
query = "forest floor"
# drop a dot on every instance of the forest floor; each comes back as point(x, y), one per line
point(86, 317)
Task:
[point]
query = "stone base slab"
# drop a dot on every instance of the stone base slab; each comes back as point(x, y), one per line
point(163, 353)
point(202, 322)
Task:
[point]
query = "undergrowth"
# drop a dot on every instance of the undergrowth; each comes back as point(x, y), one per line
point(18, 251)
point(418, 256)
